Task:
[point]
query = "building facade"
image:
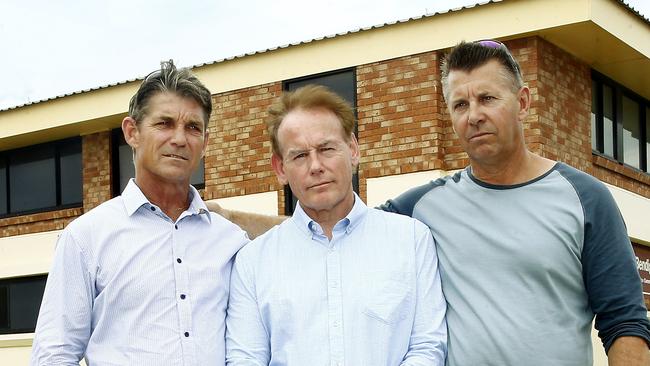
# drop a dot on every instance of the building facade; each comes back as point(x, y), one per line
point(587, 64)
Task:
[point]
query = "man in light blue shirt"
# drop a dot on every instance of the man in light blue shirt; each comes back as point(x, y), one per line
point(338, 283)
point(143, 278)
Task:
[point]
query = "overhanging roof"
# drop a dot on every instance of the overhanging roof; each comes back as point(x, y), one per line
point(605, 34)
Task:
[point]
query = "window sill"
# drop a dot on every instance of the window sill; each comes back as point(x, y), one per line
point(41, 216)
point(16, 340)
point(620, 168)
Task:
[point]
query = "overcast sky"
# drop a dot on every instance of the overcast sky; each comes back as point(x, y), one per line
point(53, 47)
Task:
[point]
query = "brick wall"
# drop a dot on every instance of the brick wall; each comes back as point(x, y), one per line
point(237, 160)
point(96, 157)
point(399, 108)
point(403, 127)
point(559, 125)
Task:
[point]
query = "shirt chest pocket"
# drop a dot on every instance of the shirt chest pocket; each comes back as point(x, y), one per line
point(390, 300)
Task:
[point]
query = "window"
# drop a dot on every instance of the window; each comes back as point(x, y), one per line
point(20, 301)
point(619, 123)
point(124, 170)
point(342, 82)
point(41, 177)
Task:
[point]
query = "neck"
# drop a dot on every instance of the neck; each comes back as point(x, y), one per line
point(519, 169)
point(328, 218)
point(172, 199)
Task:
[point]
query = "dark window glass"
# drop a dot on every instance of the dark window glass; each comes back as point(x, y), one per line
point(4, 307)
point(126, 167)
point(631, 132)
point(608, 121)
point(41, 177)
point(594, 110)
point(342, 83)
point(647, 139)
point(32, 178)
point(20, 301)
point(71, 177)
point(620, 123)
point(3, 187)
point(198, 177)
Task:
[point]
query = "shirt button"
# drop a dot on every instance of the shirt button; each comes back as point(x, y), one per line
point(153, 208)
point(179, 260)
point(176, 226)
point(182, 296)
point(187, 334)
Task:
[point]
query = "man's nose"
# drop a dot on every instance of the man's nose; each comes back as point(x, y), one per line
point(474, 114)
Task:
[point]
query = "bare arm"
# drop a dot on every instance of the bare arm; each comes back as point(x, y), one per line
point(254, 224)
point(629, 351)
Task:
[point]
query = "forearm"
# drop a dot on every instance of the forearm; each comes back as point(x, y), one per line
point(252, 223)
point(629, 351)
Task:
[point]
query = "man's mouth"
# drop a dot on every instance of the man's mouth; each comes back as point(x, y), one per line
point(478, 135)
point(174, 156)
point(318, 185)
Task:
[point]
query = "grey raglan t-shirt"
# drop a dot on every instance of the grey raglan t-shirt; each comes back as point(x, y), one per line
point(524, 268)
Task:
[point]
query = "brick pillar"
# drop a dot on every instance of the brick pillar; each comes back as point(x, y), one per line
point(96, 158)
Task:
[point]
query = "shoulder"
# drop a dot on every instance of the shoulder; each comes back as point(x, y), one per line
point(592, 193)
point(580, 180)
point(104, 214)
point(405, 203)
point(254, 250)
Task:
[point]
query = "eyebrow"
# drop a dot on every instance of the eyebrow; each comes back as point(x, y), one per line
point(294, 151)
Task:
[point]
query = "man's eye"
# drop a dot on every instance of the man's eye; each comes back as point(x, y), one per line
point(459, 105)
point(299, 156)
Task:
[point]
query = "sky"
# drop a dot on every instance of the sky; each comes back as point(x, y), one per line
point(53, 47)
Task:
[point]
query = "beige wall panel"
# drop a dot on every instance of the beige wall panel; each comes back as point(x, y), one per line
point(262, 203)
point(28, 254)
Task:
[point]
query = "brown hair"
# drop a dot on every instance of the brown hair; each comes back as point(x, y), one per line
point(308, 97)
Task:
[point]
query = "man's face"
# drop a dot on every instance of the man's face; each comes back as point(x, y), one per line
point(486, 113)
point(317, 161)
point(169, 142)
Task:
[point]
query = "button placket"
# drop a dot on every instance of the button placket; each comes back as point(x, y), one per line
point(335, 305)
point(181, 276)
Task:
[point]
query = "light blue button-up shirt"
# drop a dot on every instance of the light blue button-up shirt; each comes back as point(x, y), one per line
point(371, 296)
point(129, 286)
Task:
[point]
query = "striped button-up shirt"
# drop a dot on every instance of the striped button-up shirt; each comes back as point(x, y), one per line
point(130, 286)
point(369, 297)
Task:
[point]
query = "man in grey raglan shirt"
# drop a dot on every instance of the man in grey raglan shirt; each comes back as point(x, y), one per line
point(530, 249)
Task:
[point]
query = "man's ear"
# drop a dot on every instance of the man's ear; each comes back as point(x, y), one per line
point(278, 168)
point(205, 142)
point(524, 102)
point(130, 131)
point(354, 148)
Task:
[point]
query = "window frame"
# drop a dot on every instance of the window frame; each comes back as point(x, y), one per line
point(5, 284)
point(289, 199)
point(57, 146)
point(618, 92)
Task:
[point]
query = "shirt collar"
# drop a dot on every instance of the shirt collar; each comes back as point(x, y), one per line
point(134, 199)
point(349, 222)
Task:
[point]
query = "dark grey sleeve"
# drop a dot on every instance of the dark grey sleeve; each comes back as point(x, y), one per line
point(608, 264)
point(405, 202)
